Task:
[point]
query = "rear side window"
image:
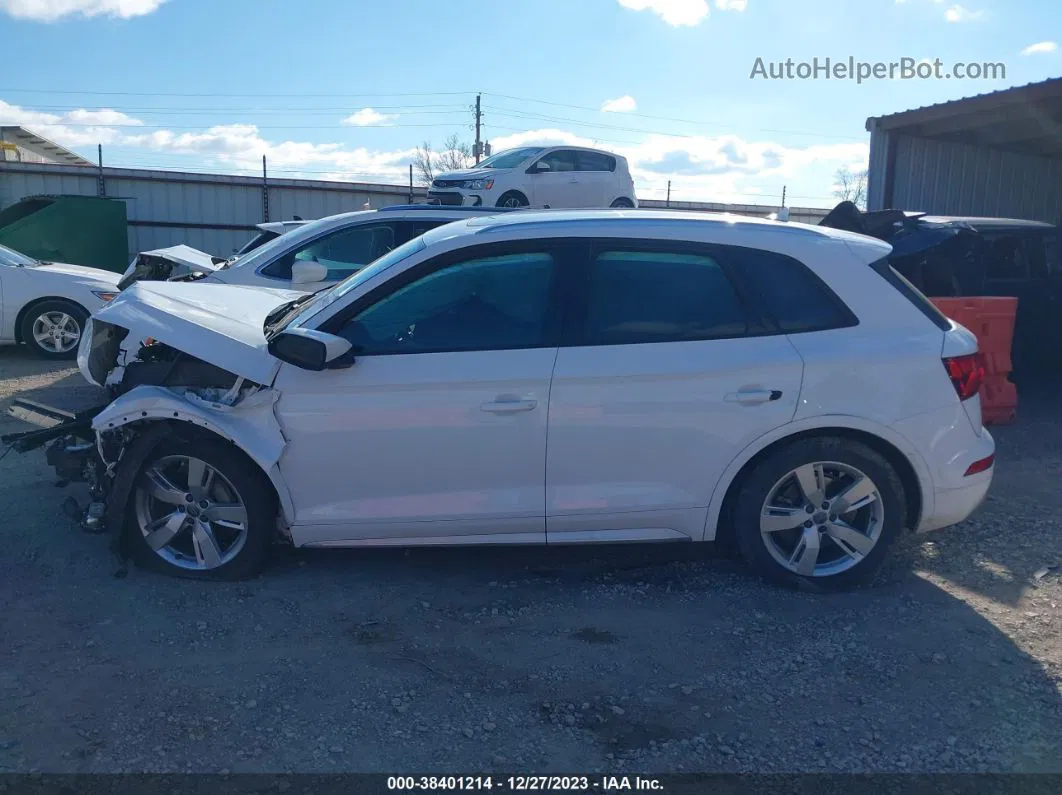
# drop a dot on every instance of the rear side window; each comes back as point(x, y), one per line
point(658, 296)
point(595, 161)
point(911, 293)
point(794, 296)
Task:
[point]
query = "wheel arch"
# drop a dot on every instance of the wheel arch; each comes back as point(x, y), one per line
point(25, 310)
point(242, 428)
point(909, 466)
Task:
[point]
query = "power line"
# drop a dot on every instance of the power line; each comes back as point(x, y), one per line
point(662, 118)
point(80, 92)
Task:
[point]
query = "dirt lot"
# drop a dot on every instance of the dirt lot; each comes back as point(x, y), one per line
point(658, 660)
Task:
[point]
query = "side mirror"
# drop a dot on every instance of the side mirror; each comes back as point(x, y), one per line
point(310, 349)
point(540, 167)
point(307, 271)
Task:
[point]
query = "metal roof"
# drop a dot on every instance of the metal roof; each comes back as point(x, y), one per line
point(40, 145)
point(1025, 119)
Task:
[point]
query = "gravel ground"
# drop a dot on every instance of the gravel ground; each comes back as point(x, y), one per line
point(659, 659)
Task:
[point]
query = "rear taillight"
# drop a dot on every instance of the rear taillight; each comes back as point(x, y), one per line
point(983, 465)
point(967, 374)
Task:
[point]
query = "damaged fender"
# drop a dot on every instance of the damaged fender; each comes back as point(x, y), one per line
point(250, 424)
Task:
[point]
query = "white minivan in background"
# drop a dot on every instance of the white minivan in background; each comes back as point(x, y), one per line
point(542, 176)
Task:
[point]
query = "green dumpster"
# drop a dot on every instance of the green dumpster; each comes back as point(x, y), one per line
point(80, 230)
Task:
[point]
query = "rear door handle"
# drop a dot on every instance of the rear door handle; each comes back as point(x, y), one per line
point(509, 404)
point(753, 397)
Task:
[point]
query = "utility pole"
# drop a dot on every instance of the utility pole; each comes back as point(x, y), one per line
point(668, 203)
point(783, 194)
point(479, 116)
point(410, 183)
point(101, 187)
point(265, 191)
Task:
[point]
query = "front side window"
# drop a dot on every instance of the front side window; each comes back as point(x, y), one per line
point(561, 160)
point(659, 296)
point(344, 252)
point(491, 303)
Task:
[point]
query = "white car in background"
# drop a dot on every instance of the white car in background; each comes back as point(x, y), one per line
point(540, 176)
point(304, 255)
point(45, 304)
point(697, 377)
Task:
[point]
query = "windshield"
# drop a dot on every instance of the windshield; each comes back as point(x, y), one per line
point(329, 295)
point(510, 158)
point(8, 256)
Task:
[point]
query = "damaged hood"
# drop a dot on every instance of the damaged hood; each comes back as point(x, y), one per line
point(163, 264)
point(221, 324)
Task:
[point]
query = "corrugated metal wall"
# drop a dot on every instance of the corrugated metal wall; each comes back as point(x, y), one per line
point(211, 212)
point(217, 213)
point(948, 178)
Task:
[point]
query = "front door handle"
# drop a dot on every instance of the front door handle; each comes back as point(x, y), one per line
point(509, 404)
point(753, 397)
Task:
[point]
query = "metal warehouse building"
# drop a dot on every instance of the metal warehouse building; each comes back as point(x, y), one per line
point(996, 154)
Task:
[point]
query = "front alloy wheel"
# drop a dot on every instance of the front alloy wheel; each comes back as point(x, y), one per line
point(189, 513)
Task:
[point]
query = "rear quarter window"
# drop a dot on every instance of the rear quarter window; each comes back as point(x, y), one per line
point(911, 293)
point(792, 295)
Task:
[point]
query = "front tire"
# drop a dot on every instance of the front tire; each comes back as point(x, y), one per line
point(820, 513)
point(201, 510)
point(512, 198)
point(53, 329)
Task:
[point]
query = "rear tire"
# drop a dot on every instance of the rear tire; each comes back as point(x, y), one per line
point(53, 329)
point(513, 198)
point(819, 514)
point(201, 510)
point(623, 203)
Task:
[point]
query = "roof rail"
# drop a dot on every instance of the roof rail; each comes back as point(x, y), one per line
point(459, 208)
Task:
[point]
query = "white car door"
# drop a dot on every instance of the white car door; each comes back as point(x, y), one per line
point(438, 430)
point(561, 184)
point(665, 376)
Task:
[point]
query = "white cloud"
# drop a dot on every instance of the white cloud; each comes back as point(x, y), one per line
point(957, 13)
point(367, 117)
point(102, 117)
point(674, 12)
point(1040, 47)
point(624, 104)
point(51, 10)
point(731, 5)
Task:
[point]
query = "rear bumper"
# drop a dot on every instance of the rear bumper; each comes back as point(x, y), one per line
point(948, 444)
point(952, 506)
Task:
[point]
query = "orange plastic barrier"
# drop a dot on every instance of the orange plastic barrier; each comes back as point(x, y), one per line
point(991, 319)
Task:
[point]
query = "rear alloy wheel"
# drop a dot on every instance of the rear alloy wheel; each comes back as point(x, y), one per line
point(821, 512)
point(201, 511)
point(54, 328)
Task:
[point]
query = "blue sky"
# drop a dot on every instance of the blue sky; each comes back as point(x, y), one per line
point(347, 88)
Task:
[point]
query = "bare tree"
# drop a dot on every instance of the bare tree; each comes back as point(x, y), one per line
point(424, 163)
point(454, 156)
point(851, 186)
